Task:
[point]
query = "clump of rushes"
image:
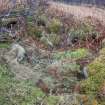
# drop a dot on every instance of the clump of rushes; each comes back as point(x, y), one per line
point(42, 20)
point(51, 40)
point(34, 31)
point(30, 18)
point(54, 26)
point(54, 38)
point(82, 31)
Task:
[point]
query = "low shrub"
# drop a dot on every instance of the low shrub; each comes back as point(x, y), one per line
point(34, 31)
point(54, 38)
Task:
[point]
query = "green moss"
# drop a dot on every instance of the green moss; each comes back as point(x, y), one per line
point(96, 75)
point(77, 54)
point(95, 67)
point(4, 45)
point(98, 64)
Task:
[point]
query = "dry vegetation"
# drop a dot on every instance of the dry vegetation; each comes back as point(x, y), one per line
point(63, 55)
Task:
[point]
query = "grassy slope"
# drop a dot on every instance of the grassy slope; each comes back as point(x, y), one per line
point(13, 92)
